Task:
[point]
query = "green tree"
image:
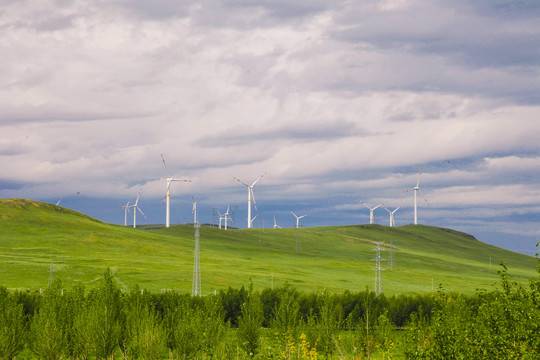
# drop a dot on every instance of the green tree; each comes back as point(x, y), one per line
point(144, 336)
point(97, 328)
point(250, 322)
point(49, 329)
point(12, 325)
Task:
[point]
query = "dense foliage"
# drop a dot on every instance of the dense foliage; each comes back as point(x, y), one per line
point(279, 323)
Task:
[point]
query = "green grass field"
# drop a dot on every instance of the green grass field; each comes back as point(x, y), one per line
point(34, 235)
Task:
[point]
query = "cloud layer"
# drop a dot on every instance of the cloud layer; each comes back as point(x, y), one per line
point(338, 101)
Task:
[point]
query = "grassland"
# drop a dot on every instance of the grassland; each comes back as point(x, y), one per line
point(34, 235)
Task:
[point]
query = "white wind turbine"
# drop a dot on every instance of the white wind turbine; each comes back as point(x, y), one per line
point(392, 222)
point(126, 210)
point(250, 194)
point(135, 208)
point(194, 211)
point(169, 180)
point(224, 217)
point(371, 210)
point(415, 189)
point(276, 226)
point(298, 219)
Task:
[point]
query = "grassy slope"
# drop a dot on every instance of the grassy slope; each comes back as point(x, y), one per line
point(33, 234)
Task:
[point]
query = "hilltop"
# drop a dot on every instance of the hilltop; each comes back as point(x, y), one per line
point(35, 235)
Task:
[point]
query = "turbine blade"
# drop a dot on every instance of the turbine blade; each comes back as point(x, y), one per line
point(256, 181)
point(138, 208)
point(240, 181)
point(165, 164)
point(253, 196)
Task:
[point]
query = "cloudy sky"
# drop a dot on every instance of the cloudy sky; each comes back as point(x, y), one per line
point(337, 101)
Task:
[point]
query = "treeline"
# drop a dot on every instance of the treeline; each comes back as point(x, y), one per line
point(279, 323)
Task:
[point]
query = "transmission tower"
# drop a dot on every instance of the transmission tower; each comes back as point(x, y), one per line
point(196, 284)
point(378, 268)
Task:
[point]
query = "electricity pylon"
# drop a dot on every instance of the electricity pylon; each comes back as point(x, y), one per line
point(378, 268)
point(196, 284)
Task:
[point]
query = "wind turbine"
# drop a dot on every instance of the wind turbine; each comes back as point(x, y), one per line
point(135, 208)
point(220, 218)
point(169, 180)
point(371, 210)
point(415, 189)
point(225, 217)
point(392, 223)
point(250, 194)
point(298, 219)
point(194, 211)
point(126, 210)
point(276, 226)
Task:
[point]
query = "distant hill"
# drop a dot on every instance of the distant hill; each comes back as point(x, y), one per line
point(36, 235)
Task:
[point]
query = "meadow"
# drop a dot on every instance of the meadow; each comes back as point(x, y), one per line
point(36, 235)
point(76, 288)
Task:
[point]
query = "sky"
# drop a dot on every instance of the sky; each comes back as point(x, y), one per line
point(335, 102)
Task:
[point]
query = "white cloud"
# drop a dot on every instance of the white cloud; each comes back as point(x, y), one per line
point(337, 102)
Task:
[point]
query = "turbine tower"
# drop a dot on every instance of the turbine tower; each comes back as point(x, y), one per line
point(126, 210)
point(415, 189)
point(135, 208)
point(169, 180)
point(194, 211)
point(298, 219)
point(250, 194)
point(392, 222)
point(371, 210)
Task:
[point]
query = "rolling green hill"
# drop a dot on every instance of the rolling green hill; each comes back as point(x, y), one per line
point(34, 235)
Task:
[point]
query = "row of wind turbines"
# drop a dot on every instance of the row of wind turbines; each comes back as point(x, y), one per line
point(225, 217)
point(392, 212)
